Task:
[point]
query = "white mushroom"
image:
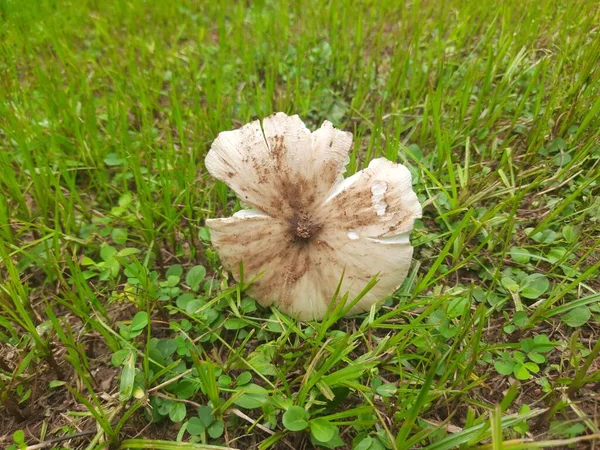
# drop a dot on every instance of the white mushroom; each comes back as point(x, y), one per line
point(307, 225)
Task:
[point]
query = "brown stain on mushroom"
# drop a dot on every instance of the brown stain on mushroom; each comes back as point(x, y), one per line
point(244, 238)
point(296, 266)
point(331, 170)
point(228, 166)
point(291, 188)
point(280, 273)
point(359, 202)
point(277, 148)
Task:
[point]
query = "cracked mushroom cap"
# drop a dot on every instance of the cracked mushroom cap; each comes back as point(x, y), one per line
point(307, 225)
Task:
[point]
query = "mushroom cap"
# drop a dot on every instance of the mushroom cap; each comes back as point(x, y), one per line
point(307, 228)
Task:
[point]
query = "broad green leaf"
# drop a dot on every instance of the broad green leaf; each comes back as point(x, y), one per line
point(386, 390)
point(519, 356)
point(139, 321)
point(521, 372)
point(570, 233)
point(456, 307)
point(254, 396)
point(125, 199)
point(113, 267)
point(520, 318)
point(177, 412)
point(235, 324)
point(195, 426)
point(204, 234)
point(210, 315)
point(334, 442)
point(261, 363)
point(184, 389)
point(556, 145)
point(504, 367)
point(173, 280)
point(164, 405)
point(195, 276)
point(377, 444)
point(87, 261)
point(520, 255)
point(533, 286)
point(536, 357)
point(561, 159)
point(183, 300)
point(542, 343)
point(556, 254)
point(215, 431)
point(224, 381)
point(206, 415)
point(127, 378)
point(193, 306)
point(545, 237)
point(128, 251)
point(532, 367)
point(248, 305)
point(119, 356)
point(19, 437)
point(510, 284)
point(322, 429)
point(113, 159)
point(107, 252)
point(119, 235)
point(174, 270)
point(527, 345)
point(577, 317)
point(365, 444)
point(243, 378)
point(295, 418)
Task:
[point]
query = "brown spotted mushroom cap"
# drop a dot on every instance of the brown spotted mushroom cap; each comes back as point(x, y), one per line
point(307, 225)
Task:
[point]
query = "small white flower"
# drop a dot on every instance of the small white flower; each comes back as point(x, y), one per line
point(308, 225)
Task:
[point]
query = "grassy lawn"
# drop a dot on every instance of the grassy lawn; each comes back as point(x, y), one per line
point(119, 329)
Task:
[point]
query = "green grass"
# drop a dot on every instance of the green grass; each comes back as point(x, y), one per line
point(118, 328)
